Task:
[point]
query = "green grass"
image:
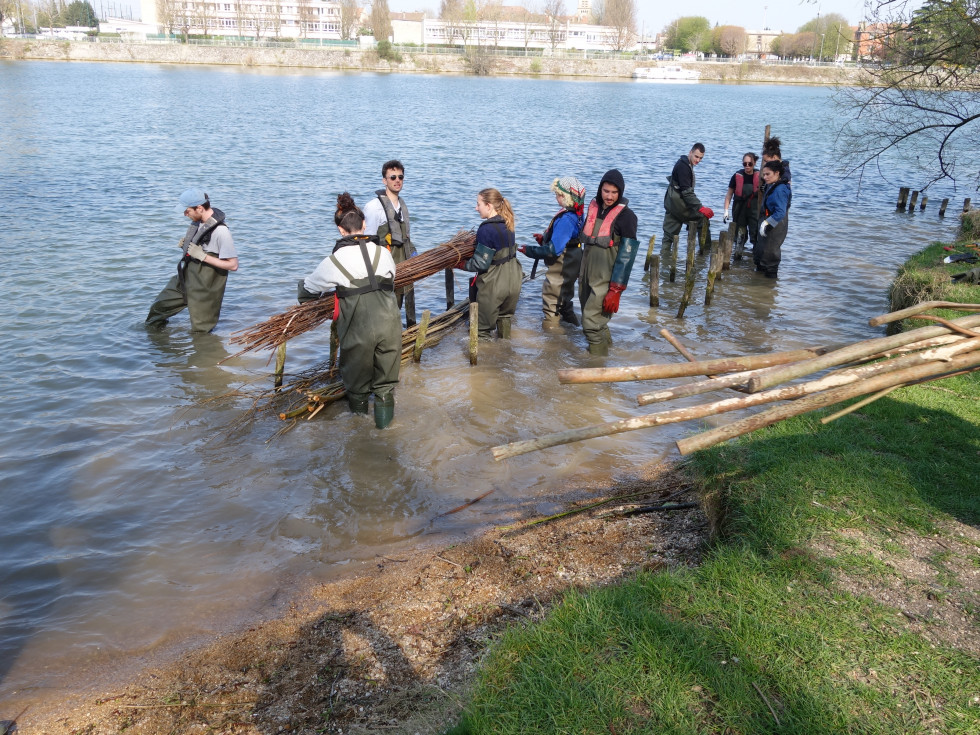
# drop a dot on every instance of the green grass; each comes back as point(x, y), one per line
point(761, 638)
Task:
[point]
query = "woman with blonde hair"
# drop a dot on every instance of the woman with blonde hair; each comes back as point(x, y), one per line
point(559, 246)
point(497, 284)
point(362, 273)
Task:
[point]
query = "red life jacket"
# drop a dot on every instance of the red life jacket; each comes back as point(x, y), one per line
point(603, 238)
point(740, 183)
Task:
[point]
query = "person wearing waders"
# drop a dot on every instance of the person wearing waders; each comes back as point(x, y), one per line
point(681, 204)
point(497, 284)
point(772, 150)
point(208, 254)
point(560, 249)
point(742, 200)
point(362, 274)
point(776, 199)
point(386, 220)
point(609, 239)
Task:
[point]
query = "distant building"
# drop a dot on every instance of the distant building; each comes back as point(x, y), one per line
point(314, 19)
point(758, 44)
point(868, 39)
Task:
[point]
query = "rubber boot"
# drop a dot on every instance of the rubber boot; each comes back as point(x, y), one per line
point(567, 312)
point(600, 349)
point(550, 322)
point(384, 410)
point(503, 328)
point(357, 404)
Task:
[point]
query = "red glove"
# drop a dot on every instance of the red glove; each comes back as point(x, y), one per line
point(709, 213)
point(522, 250)
point(538, 237)
point(610, 304)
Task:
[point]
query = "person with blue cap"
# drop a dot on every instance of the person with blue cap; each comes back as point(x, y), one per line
point(208, 255)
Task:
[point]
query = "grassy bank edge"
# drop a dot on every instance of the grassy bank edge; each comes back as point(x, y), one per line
point(840, 593)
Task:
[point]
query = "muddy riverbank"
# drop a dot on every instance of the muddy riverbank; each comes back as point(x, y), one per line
point(426, 63)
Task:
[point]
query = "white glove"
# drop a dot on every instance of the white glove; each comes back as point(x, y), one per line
point(728, 215)
point(196, 252)
point(764, 227)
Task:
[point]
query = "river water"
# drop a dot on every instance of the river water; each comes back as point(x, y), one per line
point(136, 522)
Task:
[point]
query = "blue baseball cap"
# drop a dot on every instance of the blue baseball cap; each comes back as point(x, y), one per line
point(191, 198)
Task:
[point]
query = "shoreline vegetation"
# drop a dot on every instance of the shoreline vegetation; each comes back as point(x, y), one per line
point(828, 580)
point(472, 63)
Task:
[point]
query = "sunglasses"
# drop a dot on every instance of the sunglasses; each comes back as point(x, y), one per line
point(748, 163)
point(400, 177)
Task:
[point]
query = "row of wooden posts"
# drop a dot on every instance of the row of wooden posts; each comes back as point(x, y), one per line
point(903, 198)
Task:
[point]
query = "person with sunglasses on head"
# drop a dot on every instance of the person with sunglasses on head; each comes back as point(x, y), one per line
point(208, 255)
point(681, 204)
point(776, 200)
point(772, 150)
point(743, 198)
point(386, 219)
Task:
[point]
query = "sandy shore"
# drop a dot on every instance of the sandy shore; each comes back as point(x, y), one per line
point(394, 648)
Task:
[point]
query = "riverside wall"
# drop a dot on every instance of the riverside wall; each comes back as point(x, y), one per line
point(369, 60)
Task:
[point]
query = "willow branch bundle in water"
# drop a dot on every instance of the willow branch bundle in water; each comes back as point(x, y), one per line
point(302, 318)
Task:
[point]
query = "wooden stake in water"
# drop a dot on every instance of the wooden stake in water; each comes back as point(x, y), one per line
point(689, 273)
point(732, 236)
point(654, 279)
point(420, 338)
point(922, 204)
point(942, 207)
point(903, 195)
point(705, 239)
point(474, 332)
point(966, 205)
point(915, 198)
point(673, 258)
point(280, 365)
point(450, 289)
point(717, 257)
point(646, 263)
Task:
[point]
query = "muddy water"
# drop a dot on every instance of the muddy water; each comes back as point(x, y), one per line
point(134, 521)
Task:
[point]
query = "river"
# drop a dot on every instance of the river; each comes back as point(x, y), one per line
point(136, 522)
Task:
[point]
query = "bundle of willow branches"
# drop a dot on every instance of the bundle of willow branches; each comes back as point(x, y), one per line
point(302, 318)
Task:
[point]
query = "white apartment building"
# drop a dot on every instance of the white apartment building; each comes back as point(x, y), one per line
point(315, 19)
point(504, 34)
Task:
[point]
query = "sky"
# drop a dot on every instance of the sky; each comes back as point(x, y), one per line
point(654, 15)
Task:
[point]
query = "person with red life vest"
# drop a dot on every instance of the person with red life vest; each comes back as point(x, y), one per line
point(776, 199)
point(743, 199)
point(609, 239)
point(681, 204)
point(559, 246)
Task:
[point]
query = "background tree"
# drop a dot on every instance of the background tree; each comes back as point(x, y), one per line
point(491, 12)
point(620, 15)
point(451, 12)
point(8, 10)
point(304, 9)
point(555, 10)
point(381, 20)
point(204, 16)
point(921, 100)
point(598, 13)
point(729, 40)
point(168, 13)
point(690, 33)
point(833, 33)
point(350, 15)
point(80, 13)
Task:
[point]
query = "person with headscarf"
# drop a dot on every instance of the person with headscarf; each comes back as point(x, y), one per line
point(609, 239)
point(560, 248)
point(362, 273)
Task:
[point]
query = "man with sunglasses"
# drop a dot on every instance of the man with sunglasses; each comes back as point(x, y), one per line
point(208, 255)
point(743, 197)
point(386, 220)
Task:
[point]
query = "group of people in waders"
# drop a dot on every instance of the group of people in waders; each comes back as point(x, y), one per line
point(592, 246)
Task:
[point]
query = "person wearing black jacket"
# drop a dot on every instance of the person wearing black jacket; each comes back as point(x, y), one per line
point(681, 204)
point(609, 239)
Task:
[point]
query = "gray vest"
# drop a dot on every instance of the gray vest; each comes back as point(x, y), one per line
point(395, 232)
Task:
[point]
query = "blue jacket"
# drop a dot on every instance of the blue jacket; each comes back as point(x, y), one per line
point(776, 203)
point(567, 225)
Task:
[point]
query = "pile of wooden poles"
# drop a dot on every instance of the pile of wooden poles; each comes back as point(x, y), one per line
point(302, 318)
point(872, 368)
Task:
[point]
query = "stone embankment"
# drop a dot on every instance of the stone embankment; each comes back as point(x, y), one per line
point(356, 60)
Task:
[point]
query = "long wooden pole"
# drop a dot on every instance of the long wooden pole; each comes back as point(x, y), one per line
point(715, 265)
point(894, 316)
point(937, 360)
point(420, 338)
point(474, 331)
point(850, 353)
point(655, 281)
point(820, 400)
point(689, 272)
point(650, 255)
point(673, 257)
point(685, 370)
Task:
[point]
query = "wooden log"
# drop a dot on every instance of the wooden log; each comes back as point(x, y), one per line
point(704, 235)
point(450, 289)
point(942, 207)
point(655, 281)
point(922, 204)
point(420, 338)
point(715, 265)
point(673, 257)
point(726, 256)
point(474, 331)
point(826, 398)
point(850, 353)
point(280, 366)
point(685, 370)
point(915, 198)
point(894, 316)
point(696, 388)
point(860, 404)
point(903, 194)
point(966, 205)
point(842, 378)
point(675, 343)
point(650, 255)
point(689, 272)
